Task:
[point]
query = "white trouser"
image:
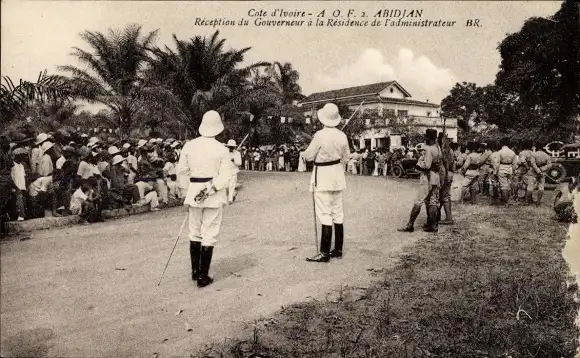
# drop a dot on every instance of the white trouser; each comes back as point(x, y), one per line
point(205, 224)
point(328, 206)
point(161, 189)
point(151, 197)
point(232, 187)
point(142, 186)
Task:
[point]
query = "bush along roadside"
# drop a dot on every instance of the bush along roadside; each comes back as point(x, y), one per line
point(494, 285)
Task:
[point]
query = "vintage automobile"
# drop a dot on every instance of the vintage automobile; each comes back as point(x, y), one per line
point(565, 164)
point(405, 167)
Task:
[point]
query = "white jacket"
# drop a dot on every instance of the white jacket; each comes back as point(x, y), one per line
point(204, 158)
point(328, 144)
point(236, 160)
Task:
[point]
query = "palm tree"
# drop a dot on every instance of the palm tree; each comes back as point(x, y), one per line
point(286, 78)
point(17, 100)
point(114, 74)
point(204, 76)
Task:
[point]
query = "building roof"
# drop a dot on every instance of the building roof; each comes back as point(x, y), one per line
point(355, 101)
point(374, 99)
point(372, 89)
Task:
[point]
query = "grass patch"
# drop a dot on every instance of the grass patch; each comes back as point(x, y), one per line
point(495, 287)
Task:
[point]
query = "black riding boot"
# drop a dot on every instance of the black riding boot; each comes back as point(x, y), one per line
point(338, 240)
point(414, 213)
point(473, 194)
point(206, 254)
point(325, 242)
point(432, 223)
point(195, 254)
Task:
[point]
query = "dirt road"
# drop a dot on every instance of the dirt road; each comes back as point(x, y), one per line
point(92, 290)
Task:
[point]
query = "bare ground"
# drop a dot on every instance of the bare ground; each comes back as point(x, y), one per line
point(92, 290)
point(494, 285)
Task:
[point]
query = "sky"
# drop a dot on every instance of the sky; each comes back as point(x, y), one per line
point(38, 35)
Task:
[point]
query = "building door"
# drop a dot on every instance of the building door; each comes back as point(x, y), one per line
point(368, 144)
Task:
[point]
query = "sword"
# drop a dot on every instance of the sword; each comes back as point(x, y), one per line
point(174, 245)
point(243, 140)
point(352, 115)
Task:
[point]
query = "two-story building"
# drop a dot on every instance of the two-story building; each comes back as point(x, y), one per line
point(386, 101)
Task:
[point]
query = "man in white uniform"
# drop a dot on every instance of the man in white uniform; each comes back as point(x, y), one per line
point(204, 172)
point(330, 153)
point(236, 159)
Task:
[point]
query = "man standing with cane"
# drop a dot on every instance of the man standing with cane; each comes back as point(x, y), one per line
point(236, 159)
point(204, 170)
point(330, 153)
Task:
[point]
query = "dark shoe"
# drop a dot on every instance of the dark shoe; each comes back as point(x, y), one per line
point(206, 255)
point(321, 257)
point(414, 213)
point(204, 281)
point(408, 228)
point(325, 242)
point(195, 254)
point(446, 222)
point(336, 253)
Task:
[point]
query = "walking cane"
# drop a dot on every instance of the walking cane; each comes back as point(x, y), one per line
point(174, 245)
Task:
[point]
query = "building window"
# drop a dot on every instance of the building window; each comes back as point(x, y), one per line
point(428, 114)
point(368, 121)
point(392, 90)
point(402, 113)
point(390, 113)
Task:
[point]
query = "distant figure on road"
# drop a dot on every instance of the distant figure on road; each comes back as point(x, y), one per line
point(330, 152)
point(204, 170)
point(236, 159)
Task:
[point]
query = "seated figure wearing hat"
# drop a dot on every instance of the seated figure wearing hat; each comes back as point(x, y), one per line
point(330, 152)
point(204, 172)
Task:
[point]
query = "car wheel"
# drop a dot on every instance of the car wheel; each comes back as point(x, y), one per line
point(557, 173)
point(398, 171)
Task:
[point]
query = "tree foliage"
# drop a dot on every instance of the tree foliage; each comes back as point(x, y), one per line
point(204, 76)
point(537, 88)
point(17, 100)
point(114, 74)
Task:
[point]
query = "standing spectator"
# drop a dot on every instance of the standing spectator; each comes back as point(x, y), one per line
point(388, 162)
point(381, 160)
point(236, 161)
point(301, 161)
point(256, 159)
point(36, 152)
point(18, 175)
point(281, 160)
point(286, 159)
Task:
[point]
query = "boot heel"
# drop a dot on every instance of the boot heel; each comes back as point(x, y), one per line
point(206, 256)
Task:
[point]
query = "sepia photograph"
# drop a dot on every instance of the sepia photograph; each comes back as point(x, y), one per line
point(278, 179)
